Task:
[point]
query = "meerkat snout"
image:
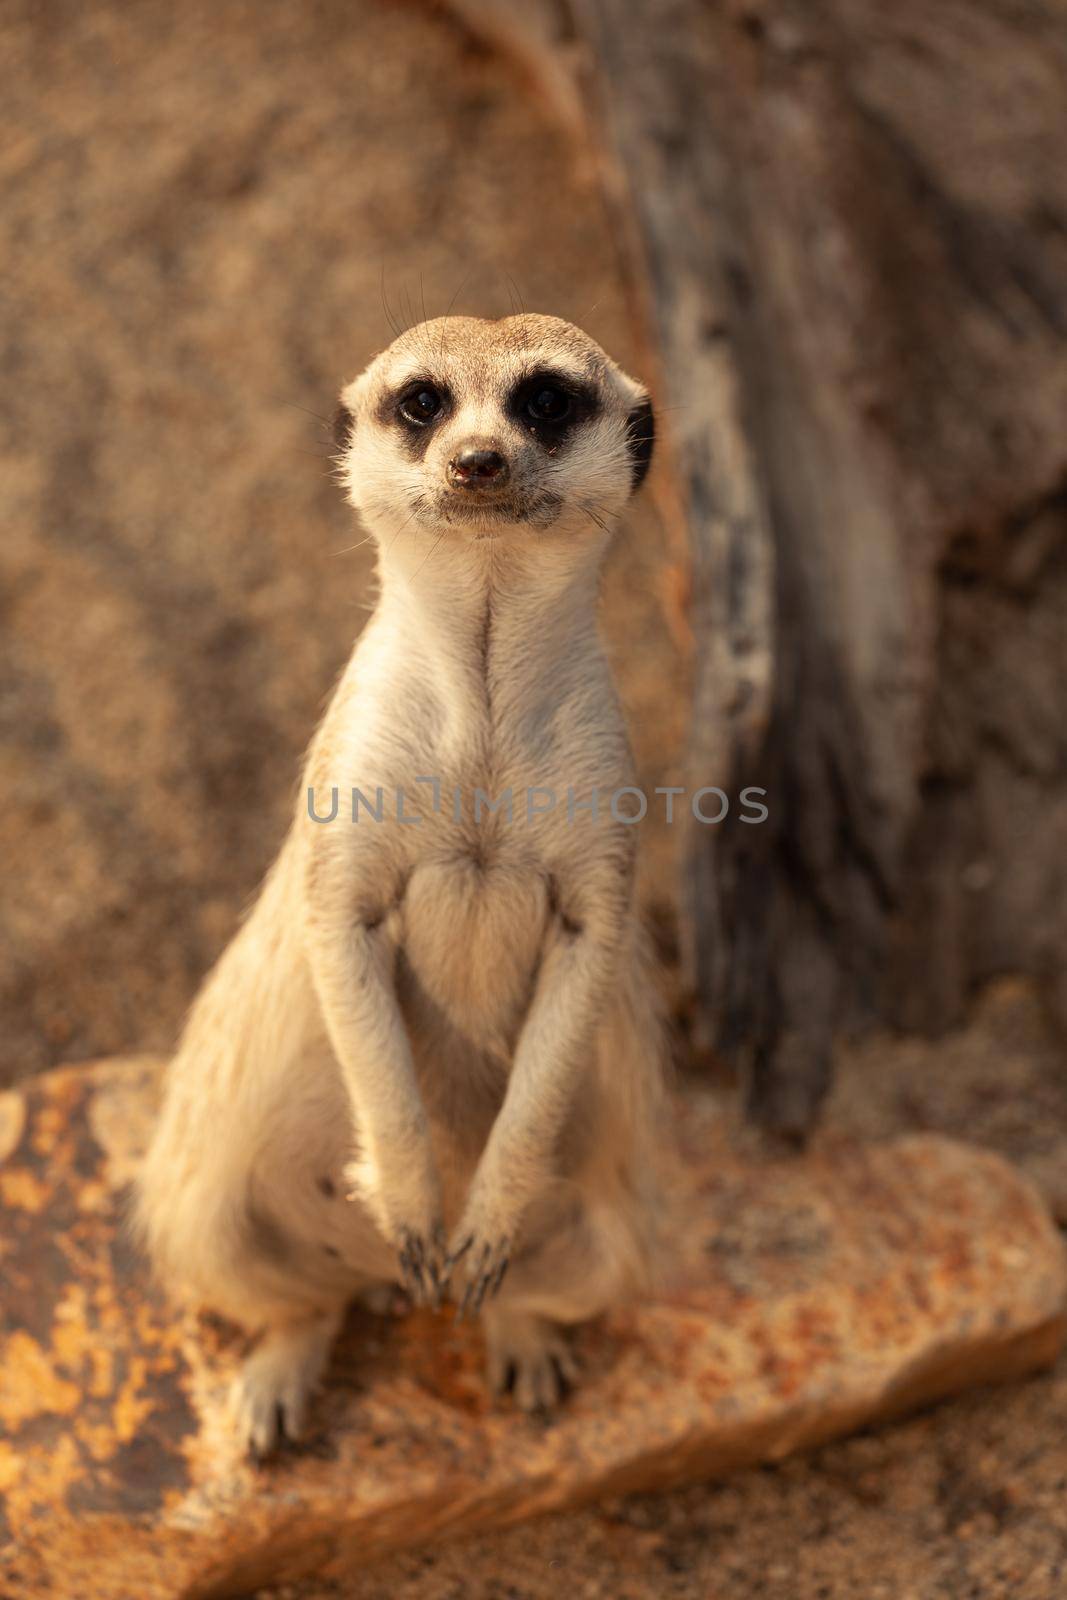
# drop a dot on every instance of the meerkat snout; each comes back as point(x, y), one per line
point(478, 469)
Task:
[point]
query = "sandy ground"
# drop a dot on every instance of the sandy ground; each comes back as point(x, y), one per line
point(207, 210)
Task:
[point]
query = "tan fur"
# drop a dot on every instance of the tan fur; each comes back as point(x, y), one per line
point(443, 1031)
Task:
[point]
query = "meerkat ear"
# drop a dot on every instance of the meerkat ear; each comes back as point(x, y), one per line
point(641, 436)
point(344, 424)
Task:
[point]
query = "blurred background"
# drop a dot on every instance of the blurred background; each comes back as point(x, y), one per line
point(834, 243)
point(210, 216)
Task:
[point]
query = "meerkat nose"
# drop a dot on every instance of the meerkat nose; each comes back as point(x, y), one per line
point(474, 469)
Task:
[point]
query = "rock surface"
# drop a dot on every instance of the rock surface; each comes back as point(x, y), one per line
point(804, 1297)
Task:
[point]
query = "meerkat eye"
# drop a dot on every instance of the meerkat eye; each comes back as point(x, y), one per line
point(421, 405)
point(548, 403)
point(550, 406)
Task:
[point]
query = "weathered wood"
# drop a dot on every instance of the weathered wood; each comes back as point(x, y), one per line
point(852, 225)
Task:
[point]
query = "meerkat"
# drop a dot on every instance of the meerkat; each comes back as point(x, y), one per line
point(432, 1053)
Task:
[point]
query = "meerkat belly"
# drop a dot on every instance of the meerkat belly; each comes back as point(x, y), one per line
point(471, 944)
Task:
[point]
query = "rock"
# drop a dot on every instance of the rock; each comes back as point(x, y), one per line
point(805, 1297)
point(999, 1081)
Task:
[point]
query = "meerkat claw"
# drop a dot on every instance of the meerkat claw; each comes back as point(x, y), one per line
point(410, 1257)
point(459, 1252)
point(421, 1265)
point(485, 1279)
point(499, 1275)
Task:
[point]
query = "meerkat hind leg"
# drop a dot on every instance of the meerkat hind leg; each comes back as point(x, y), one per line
point(529, 1356)
point(273, 1388)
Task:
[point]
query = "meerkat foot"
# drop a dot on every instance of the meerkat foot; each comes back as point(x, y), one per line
point(528, 1357)
point(274, 1386)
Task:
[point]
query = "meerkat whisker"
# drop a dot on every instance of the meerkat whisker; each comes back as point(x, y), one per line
point(347, 551)
point(296, 406)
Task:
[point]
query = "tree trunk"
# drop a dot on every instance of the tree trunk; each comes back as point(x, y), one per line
point(851, 221)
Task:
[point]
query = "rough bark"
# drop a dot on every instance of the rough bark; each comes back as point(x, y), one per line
point(851, 221)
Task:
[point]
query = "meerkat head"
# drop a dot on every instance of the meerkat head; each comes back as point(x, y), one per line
point(476, 428)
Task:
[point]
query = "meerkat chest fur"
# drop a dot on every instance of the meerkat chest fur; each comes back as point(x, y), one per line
point(483, 738)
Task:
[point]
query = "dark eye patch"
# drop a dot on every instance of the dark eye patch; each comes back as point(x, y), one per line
point(417, 408)
point(550, 406)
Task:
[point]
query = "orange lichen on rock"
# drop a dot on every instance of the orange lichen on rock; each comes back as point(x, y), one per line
point(803, 1296)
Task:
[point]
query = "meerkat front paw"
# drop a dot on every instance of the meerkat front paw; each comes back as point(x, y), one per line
point(407, 1211)
point(271, 1393)
point(423, 1268)
point(481, 1248)
point(529, 1358)
point(484, 1263)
